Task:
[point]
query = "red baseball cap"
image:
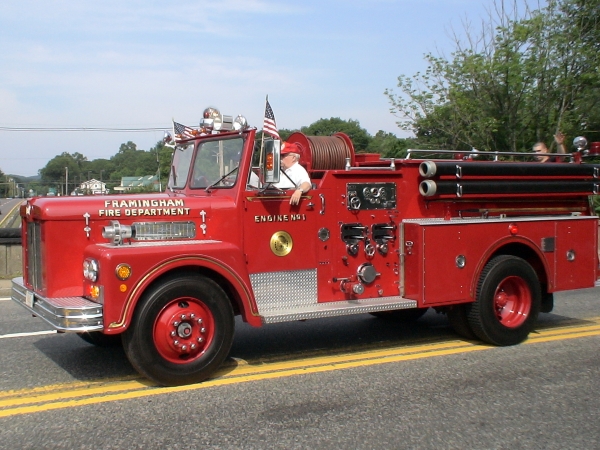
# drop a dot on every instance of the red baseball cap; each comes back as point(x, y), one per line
point(290, 147)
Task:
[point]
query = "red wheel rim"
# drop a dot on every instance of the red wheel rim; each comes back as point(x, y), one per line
point(512, 302)
point(183, 330)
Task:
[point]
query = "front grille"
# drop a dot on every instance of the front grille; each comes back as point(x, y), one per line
point(34, 255)
point(148, 231)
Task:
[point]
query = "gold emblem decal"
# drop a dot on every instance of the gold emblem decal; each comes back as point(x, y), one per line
point(281, 243)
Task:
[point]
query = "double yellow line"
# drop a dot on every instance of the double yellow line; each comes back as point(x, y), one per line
point(9, 215)
point(70, 395)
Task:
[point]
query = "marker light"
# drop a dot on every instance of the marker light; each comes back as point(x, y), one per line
point(94, 291)
point(513, 229)
point(123, 271)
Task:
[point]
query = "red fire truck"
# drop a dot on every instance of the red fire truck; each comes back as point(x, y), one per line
point(486, 240)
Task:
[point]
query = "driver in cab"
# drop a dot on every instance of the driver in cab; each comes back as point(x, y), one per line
point(294, 176)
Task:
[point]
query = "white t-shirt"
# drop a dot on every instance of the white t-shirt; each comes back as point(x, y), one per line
point(298, 175)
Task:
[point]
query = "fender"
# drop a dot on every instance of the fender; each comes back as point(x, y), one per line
point(508, 240)
point(220, 257)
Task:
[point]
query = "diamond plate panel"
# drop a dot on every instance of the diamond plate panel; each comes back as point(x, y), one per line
point(275, 291)
point(341, 308)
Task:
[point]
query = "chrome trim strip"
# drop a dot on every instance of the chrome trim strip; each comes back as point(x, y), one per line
point(461, 221)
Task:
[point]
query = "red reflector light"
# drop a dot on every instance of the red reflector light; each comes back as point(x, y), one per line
point(513, 229)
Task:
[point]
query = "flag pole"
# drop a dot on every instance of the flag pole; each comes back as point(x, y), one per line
point(262, 138)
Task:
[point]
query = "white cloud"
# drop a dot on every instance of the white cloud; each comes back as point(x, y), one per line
point(139, 63)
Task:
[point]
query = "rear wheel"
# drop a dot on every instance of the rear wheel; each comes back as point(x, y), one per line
point(459, 320)
point(507, 302)
point(181, 331)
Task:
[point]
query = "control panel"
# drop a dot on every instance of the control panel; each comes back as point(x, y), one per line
point(366, 196)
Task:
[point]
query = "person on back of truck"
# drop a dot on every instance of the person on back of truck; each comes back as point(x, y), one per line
point(294, 176)
point(544, 154)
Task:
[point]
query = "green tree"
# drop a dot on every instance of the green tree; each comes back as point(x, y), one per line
point(4, 184)
point(326, 127)
point(64, 171)
point(164, 155)
point(99, 169)
point(388, 145)
point(521, 80)
point(129, 161)
point(580, 54)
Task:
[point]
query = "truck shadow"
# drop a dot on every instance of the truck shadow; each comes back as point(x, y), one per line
point(276, 342)
point(351, 334)
point(83, 361)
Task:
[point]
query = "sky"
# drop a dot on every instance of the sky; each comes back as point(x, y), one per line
point(143, 63)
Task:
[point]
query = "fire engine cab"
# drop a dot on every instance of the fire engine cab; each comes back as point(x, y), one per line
point(481, 237)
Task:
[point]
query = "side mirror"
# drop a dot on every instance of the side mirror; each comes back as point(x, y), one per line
point(270, 161)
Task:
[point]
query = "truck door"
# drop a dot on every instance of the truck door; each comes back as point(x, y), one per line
point(282, 250)
point(279, 236)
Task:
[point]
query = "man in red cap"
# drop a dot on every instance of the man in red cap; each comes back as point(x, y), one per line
point(294, 175)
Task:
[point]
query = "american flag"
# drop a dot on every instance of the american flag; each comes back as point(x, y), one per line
point(269, 125)
point(182, 131)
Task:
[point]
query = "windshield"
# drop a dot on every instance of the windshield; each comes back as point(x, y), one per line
point(180, 166)
point(215, 164)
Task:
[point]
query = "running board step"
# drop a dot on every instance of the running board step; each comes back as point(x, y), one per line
point(341, 308)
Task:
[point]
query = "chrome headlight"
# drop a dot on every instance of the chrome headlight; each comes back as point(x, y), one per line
point(90, 269)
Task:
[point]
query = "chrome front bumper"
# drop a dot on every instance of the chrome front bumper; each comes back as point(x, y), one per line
point(64, 313)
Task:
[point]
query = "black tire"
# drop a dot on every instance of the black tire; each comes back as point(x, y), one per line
point(181, 332)
point(100, 339)
point(459, 320)
point(401, 315)
point(547, 302)
point(507, 302)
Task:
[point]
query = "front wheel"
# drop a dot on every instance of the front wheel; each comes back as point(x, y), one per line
point(507, 302)
point(181, 332)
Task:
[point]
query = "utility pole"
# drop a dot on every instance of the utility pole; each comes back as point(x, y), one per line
point(158, 171)
point(66, 181)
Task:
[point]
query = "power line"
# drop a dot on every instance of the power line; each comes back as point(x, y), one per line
point(95, 129)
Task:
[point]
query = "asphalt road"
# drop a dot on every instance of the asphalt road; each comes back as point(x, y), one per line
point(354, 382)
point(9, 212)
